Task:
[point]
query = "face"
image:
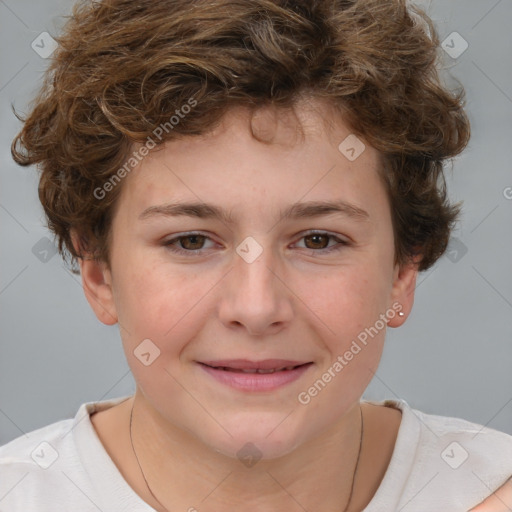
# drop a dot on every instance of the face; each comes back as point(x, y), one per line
point(216, 295)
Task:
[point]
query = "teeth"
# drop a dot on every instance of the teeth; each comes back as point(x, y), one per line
point(256, 370)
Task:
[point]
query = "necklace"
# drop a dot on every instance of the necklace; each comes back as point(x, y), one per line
point(353, 476)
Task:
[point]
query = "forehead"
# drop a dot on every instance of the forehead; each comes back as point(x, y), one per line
point(278, 153)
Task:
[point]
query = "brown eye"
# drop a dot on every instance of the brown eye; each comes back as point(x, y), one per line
point(188, 245)
point(319, 241)
point(197, 242)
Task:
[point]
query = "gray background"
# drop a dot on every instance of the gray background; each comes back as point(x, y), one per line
point(452, 357)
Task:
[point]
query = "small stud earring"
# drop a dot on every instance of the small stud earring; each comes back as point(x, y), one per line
point(401, 313)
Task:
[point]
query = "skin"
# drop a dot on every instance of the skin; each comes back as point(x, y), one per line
point(294, 301)
point(499, 501)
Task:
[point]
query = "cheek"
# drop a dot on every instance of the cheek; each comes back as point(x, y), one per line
point(148, 301)
point(163, 303)
point(347, 306)
point(352, 334)
point(349, 298)
point(156, 312)
point(148, 288)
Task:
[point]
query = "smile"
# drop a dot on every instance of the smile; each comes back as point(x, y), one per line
point(253, 376)
point(254, 370)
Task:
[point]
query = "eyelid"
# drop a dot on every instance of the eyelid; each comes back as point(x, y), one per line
point(339, 236)
point(177, 237)
point(342, 241)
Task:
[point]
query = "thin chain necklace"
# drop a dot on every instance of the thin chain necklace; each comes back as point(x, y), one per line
point(353, 476)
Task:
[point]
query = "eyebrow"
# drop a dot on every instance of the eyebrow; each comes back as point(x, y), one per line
point(295, 211)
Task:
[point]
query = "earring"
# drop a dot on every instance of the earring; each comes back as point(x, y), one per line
point(401, 313)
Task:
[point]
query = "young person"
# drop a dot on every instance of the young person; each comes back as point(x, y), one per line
point(249, 189)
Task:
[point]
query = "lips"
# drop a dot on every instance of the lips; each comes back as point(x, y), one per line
point(246, 366)
point(255, 376)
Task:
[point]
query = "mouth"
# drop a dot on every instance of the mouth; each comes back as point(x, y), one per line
point(255, 375)
point(253, 370)
point(247, 366)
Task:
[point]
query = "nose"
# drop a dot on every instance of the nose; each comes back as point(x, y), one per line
point(255, 296)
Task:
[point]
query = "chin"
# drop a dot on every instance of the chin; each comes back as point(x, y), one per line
point(257, 440)
point(251, 450)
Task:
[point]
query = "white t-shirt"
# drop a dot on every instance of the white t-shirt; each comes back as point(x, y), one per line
point(438, 464)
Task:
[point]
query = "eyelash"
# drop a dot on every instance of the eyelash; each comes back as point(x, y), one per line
point(169, 244)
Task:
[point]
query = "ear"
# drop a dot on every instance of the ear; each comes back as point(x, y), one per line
point(402, 292)
point(97, 285)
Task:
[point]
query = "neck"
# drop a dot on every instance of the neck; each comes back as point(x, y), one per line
point(183, 473)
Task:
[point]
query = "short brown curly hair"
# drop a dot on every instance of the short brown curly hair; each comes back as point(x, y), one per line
point(123, 68)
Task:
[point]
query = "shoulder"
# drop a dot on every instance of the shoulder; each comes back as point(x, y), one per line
point(36, 446)
point(46, 466)
point(471, 459)
point(447, 463)
point(462, 441)
point(28, 465)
